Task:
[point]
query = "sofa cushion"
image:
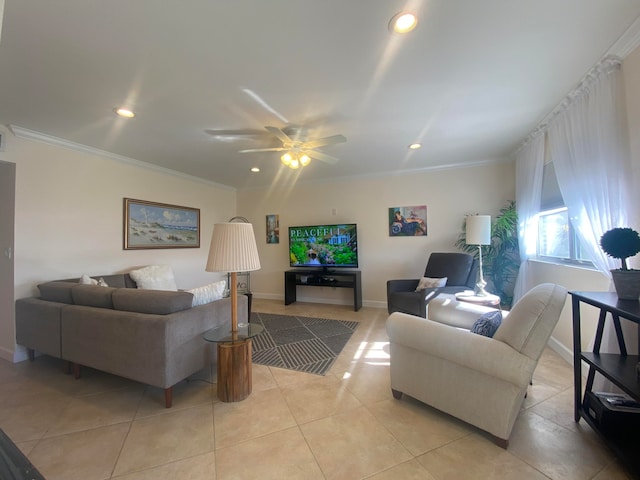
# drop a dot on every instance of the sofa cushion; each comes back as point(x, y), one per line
point(154, 277)
point(208, 293)
point(57, 291)
point(151, 301)
point(92, 296)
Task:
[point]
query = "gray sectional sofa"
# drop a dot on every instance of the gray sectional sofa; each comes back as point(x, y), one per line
point(151, 336)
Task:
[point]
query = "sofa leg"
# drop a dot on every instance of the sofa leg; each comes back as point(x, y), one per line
point(168, 397)
point(32, 354)
point(501, 442)
point(76, 371)
point(396, 394)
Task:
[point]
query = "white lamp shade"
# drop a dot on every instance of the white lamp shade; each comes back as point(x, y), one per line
point(233, 248)
point(478, 230)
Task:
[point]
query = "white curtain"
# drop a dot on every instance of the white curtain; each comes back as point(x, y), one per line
point(589, 149)
point(529, 167)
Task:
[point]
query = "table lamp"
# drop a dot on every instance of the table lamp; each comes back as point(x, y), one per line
point(478, 232)
point(233, 249)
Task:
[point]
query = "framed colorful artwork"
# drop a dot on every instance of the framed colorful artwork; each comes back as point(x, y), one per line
point(408, 221)
point(273, 228)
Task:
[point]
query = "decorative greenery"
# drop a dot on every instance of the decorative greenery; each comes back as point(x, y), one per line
point(501, 259)
point(621, 243)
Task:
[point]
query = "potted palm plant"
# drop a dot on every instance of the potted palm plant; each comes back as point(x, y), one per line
point(623, 243)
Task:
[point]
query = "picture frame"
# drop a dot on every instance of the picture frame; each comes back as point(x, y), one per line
point(273, 228)
point(408, 221)
point(152, 225)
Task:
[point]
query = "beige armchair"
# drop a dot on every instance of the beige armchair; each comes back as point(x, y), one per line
point(477, 379)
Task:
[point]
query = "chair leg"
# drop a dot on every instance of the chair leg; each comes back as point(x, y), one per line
point(76, 371)
point(396, 394)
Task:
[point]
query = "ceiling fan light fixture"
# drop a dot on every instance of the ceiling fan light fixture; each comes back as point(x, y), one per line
point(415, 146)
point(403, 22)
point(304, 159)
point(294, 163)
point(286, 158)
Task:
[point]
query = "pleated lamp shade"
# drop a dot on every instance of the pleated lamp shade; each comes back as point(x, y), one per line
point(233, 248)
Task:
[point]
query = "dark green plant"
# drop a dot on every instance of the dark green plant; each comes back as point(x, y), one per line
point(501, 259)
point(621, 243)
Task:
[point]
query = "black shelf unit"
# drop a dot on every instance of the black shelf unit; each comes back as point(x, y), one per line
point(620, 369)
point(318, 278)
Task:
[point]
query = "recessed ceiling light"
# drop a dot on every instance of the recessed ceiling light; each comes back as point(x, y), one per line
point(255, 169)
point(124, 112)
point(415, 146)
point(403, 22)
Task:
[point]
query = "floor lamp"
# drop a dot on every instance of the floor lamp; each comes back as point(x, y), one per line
point(478, 232)
point(233, 249)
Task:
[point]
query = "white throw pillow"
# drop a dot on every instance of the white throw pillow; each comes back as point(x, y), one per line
point(87, 280)
point(427, 282)
point(208, 293)
point(155, 277)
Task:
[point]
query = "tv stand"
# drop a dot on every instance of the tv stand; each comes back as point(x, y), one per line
point(323, 278)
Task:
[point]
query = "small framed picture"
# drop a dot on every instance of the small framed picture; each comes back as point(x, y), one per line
point(408, 221)
point(273, 228)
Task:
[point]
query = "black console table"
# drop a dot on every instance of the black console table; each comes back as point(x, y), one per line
point(620, 369)
point(316, 278)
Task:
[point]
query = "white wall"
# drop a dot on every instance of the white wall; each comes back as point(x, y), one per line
point(69, 218)
point(449, 195)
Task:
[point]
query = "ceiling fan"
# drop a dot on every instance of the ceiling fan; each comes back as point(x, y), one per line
point(299, 152)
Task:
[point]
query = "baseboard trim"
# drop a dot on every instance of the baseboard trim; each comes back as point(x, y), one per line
point(566, 354)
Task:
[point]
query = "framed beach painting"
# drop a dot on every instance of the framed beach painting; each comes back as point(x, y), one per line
point(159, 225)
point(408, 221)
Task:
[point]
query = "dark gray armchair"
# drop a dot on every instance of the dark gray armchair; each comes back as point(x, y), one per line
point(461, 270)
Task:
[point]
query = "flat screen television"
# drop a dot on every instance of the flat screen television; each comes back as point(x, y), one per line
point(324, 246)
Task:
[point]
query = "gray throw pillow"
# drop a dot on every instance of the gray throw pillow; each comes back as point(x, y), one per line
point(488, 323)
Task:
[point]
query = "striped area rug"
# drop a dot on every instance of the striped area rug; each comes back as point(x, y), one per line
point(305, 344)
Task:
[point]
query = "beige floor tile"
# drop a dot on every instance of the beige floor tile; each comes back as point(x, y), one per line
point(411, 470)
point(161, 439)
point(318, 398)
point(278, 456)
point(262, 378)
point(418, 427)
point(475, 457)
point(369, 383)
point(613, 471)
point(90, 454)
point(26, 447)
point(186, 394)
point(284, 377)
point(556, 451)
point(31, 421)
point(259, 414)
point(353, 444)
point(97, 410)
point(200, 467)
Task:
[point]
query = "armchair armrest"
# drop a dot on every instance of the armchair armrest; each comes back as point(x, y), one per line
point(462, 347)
point(402, 285)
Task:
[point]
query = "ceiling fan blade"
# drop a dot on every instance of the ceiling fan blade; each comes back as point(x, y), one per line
point(321, 142)
point(252, 150)
point(321, 156)
point(236, 132)
point(283, 137)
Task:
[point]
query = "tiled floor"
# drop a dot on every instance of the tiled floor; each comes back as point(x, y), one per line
point(345, 425)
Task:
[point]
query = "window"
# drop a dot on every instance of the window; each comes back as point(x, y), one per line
point(557, 239)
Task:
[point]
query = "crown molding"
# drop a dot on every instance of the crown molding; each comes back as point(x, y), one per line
point(27, 134)
point(627, 42)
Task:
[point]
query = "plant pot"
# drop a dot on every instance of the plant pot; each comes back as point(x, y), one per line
point(627, 283)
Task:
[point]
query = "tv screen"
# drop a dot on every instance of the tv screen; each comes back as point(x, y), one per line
point(325, 246)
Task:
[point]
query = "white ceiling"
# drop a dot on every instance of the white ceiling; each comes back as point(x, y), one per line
point(470, 83)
